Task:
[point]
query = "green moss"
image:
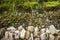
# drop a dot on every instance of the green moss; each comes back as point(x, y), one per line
point(30, 3)
point(52, 4)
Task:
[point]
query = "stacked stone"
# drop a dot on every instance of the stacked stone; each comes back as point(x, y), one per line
point(30, 33)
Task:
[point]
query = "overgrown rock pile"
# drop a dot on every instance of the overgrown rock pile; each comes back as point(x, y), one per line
point(33, 18)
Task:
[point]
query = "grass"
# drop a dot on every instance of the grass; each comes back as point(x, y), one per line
point(46, 4)
point(30, 3)
point(52, 4)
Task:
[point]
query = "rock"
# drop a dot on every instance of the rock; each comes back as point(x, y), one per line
point(43, 36)
point(31, 28)
point(2, 32)
point(52, 29)
point(22, 33)
point(36, 31)
point(16, 34)
point(51, 37)
point(11, 29)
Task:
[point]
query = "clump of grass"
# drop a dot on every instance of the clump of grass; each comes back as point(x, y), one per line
point(52, 4)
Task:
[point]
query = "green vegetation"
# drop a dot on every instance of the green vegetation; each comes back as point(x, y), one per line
point(52, 4)
point(46, 4)
point(11, 6)
point(31, 4)
point(15, 12)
